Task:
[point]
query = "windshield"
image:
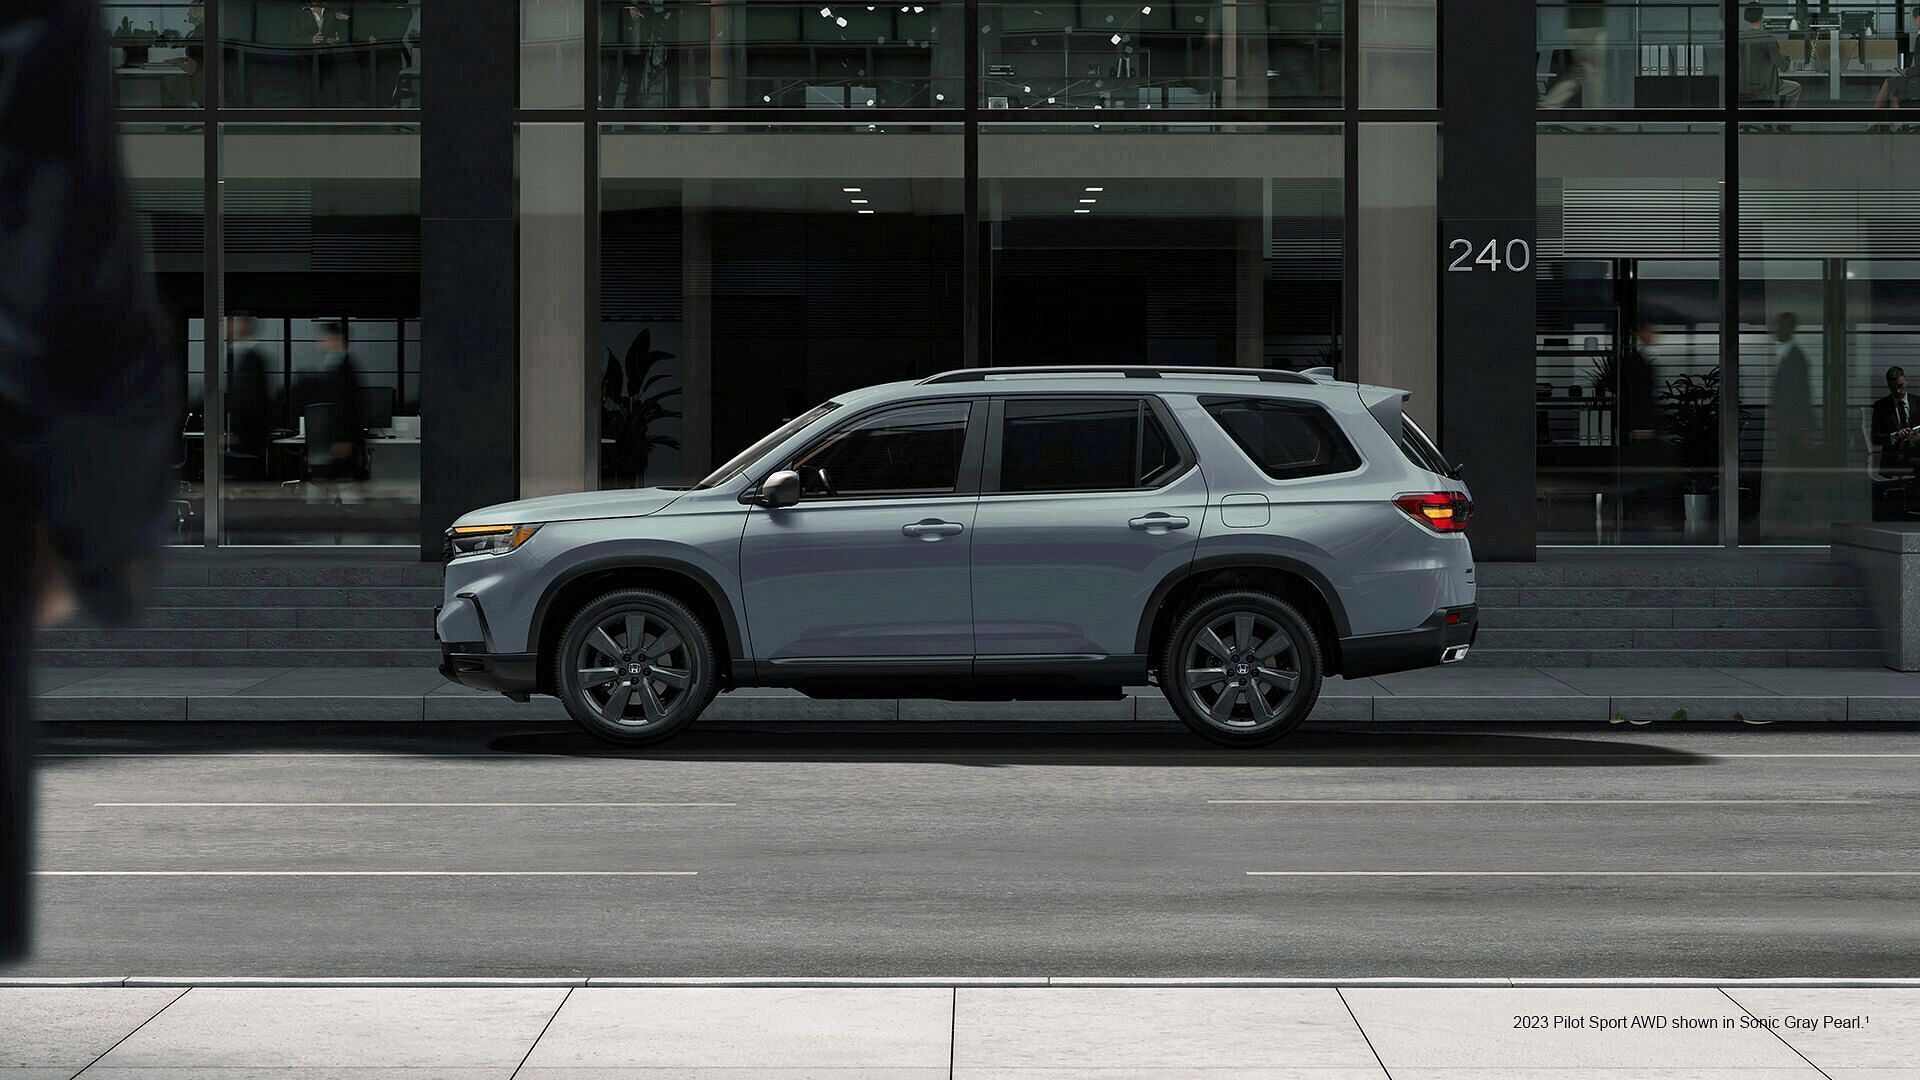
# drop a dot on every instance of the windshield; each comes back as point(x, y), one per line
point(753, 453)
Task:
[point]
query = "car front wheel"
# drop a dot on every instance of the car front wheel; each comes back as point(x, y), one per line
point(1241, 668)
point(635, 667)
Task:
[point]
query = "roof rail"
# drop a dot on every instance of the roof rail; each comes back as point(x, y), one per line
point(1124, 370)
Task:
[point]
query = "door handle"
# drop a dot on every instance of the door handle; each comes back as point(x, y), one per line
point(1157, 524)
point(933, 529)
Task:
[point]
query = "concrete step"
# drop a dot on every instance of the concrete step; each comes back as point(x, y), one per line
point(1682, 618)
point(418, 637)
point(246, 618)
point(422, 659)
point(341, 596)
point(1593, 639)
point(294, 571)
point(1795, 596)
point(1663, 570)
point(1677, 658)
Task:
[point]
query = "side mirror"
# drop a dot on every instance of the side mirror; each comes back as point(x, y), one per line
point(780, 490)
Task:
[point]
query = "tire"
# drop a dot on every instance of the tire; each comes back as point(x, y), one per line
point(1266, 642)
point(659, 691)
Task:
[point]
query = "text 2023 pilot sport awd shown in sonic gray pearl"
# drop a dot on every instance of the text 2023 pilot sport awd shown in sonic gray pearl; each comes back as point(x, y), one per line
point(1232, 535)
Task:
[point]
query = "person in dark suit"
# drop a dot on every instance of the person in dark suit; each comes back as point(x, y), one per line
point(327, 26)
point(1902, 91)
point(89, 418)
point(248, 403)
point(1892, 431)
point(1761, 63)
point(346, 436)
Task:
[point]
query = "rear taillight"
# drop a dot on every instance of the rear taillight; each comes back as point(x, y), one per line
point(1441, 511)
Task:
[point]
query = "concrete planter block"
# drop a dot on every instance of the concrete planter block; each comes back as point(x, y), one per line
point(1887, 555)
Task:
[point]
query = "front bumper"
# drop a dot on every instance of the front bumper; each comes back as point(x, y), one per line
point(1442, 639)
point(469, 664)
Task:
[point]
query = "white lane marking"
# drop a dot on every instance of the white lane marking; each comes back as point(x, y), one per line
point(366, 873)
point(417, 804)
point(1584, 873)
point(1521, 802)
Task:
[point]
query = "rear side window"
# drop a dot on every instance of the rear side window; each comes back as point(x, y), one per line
point(1289, 440)
point(1088, 444)
point(1420, 449)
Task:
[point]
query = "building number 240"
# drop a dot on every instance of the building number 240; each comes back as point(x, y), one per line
point(1518, 256)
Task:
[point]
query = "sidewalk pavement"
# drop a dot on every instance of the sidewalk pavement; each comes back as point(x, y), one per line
point(963, 1028)
point(1460, 692)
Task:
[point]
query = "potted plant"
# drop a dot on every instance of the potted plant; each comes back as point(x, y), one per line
point(1695, 400)
point(630, 406)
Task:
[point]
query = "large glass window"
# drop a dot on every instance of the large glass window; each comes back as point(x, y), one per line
point(1399, 54)
point(781, 54)
point(1617, 54)
point(320, 230)
point(911, 451)
point(1627, 374)
point(326, 55)
point(553, 50)
point(748, 273)
point(1136, 244)
point(1190, 54)
point(1094, 444)
point(165, 185)
point(1829, 275)
point(157, 50)
point(1809, 53)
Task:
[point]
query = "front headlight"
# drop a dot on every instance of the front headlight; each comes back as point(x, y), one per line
point(463, 540)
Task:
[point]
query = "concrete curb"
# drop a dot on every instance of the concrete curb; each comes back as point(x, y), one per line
point(957, 982)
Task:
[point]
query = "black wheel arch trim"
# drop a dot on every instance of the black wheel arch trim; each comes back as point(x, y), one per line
point(1207, 564)
point(729, 621)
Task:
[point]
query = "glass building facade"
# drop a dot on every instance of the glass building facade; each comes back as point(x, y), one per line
point(723, 212)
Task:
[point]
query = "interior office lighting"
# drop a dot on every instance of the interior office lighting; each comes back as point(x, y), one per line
point(1096, 189)
point(1116, 39)
point(1083, 211)
point(860, 202)
point(826, 13)
point(841, 22)
point(865, 211)
point(851, 190)
point(1148, 10)
point(1089, 200)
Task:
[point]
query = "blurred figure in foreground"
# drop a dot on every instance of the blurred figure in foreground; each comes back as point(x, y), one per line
point(88, 417)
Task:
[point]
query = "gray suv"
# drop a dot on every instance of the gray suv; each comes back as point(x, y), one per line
point(1230, 535)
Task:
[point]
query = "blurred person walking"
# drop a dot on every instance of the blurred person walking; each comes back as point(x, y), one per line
point(88, 417)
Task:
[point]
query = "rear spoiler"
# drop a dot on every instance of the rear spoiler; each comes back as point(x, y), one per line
point(1386, 404)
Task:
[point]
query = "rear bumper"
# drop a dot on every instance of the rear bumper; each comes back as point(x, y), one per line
point(469, 664)
point(1443, 637)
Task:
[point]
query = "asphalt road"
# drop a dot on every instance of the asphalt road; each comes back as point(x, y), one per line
point(269, 850)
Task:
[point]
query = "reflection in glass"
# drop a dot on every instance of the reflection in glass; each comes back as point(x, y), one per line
point(1224, 54)
point(1827, 312)
point(1146, 245)
point(747, 274)
point(779, 54)
point(1613, 54)
point(1627, 371)
point(1399, 51)
point(164, 185)
point(1807, 53)
point(321, 357)
point(553, 46)
point(290, 54)
point(156, 53)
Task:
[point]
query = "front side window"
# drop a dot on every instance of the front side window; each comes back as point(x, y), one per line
point(1087, 445)
point(910, 451)
point(1289, 440)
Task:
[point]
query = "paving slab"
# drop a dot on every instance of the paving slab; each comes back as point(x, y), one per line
point(161, 682)
point(1838, 681)
point(1466, 680)
point(64, 1028)
point(349, 682)
point(475, 1031)
point(1641, 680)
point(887, 1031)
point(45, 679)
point(1888, 1039)
point(1146, 1031)
point(1472, 1032)
point(1753, 708)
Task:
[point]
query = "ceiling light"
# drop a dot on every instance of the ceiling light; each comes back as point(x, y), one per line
point(1115, 39)
point(826, 13)
point(864, 211)
point(1148, 10)
point(1083, 211)
point(850, 190)
point(1096, 189)
point(1089, 200)
point(860, 202)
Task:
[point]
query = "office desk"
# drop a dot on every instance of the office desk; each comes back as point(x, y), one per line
point(389, 457)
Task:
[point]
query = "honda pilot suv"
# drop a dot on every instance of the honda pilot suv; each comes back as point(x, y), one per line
point(1233, 536)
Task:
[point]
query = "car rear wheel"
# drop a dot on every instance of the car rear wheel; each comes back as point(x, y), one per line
point(1241, 668)
point(635, 667)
